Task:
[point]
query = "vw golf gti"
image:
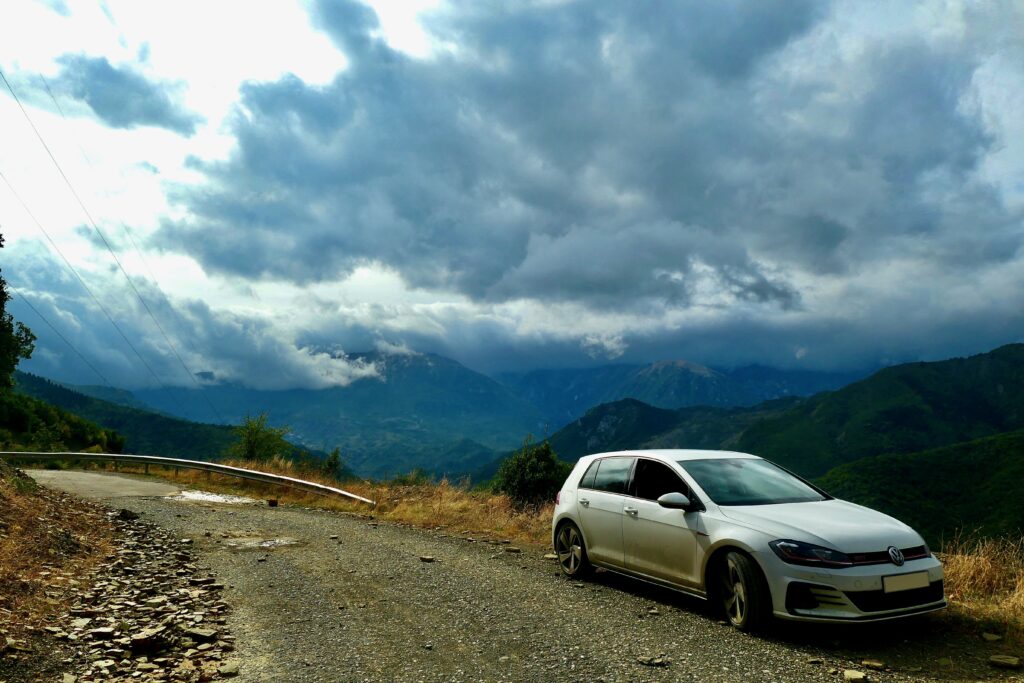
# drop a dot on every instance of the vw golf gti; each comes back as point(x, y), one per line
point(744, 533)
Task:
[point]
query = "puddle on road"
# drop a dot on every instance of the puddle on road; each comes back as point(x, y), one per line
point(261, 543)
point(207, 497)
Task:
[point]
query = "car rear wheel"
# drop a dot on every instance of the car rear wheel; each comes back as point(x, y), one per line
point(571, 551)
point(743, 593)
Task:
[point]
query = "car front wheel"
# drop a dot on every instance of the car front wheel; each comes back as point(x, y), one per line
point(743, 592)
point(571, 551)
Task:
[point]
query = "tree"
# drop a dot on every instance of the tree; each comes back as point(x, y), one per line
point(259, 441)
point(532, 475)
point(16, 341)
point(332, 465)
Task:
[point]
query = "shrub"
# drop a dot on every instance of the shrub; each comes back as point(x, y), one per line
point(257, 440)
point(532, 475)
point(415, 477)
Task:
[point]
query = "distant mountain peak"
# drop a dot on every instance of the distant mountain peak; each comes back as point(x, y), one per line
point(689, 366)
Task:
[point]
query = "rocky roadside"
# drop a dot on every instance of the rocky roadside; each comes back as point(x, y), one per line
point(151, 613)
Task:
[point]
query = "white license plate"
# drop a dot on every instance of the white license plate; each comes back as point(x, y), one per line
point(904, 582)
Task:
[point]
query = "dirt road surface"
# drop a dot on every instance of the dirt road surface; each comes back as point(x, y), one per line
point(323, 596)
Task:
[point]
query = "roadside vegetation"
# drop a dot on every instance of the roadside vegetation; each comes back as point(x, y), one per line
point(985, 582)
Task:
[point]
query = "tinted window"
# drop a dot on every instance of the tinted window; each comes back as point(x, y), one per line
point(748, 481)
point(613, 474)
point(653, 479)
point(587, 482)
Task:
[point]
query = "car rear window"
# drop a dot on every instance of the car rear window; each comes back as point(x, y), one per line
point(612, 474)
point(587, 482)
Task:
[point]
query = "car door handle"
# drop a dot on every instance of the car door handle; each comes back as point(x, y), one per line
point(584, 502)
point(630, 511)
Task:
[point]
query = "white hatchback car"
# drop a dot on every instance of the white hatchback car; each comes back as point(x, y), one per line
point(743, 532)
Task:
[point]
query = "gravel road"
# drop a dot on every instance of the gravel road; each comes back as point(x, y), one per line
point(346, 598)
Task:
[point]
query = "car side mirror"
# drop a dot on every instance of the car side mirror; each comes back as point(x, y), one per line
point(674, 501)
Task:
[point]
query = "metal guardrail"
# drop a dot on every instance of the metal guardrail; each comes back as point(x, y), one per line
point(239, 472)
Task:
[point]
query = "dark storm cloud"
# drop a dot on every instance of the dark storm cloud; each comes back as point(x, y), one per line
point(464, 172)
point(626, 157)
point(122, 97)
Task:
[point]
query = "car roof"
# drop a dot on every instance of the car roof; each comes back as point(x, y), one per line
point(673, 454)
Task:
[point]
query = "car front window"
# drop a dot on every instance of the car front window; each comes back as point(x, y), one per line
point(748, 481)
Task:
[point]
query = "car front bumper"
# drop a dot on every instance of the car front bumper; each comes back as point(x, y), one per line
point(851, 594)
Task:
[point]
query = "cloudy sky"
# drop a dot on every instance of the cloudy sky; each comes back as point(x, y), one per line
point(515, 185)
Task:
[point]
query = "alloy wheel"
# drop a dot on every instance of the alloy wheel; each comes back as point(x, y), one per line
point(569, 549)
point(734, 592)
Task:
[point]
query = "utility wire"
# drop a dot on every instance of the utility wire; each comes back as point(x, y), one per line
point(87, 289)
point(124, 226)
point(64, 339)
point(110, 249)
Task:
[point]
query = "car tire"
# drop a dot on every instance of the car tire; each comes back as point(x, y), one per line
point(572, 551)
point(742, 592)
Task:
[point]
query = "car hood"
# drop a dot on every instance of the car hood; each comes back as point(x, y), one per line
point(834, 524)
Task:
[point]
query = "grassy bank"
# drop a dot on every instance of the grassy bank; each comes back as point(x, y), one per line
point(985, 582)
point(48, 542)
point(422, 503)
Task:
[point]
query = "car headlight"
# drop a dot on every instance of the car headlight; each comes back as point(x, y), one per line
point(809, 555)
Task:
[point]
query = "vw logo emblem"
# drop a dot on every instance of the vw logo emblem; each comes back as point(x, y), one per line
point(896, 556)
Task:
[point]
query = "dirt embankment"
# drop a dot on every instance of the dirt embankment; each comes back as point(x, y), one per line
point(89, 593)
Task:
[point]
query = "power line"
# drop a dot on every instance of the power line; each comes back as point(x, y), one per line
point(110, 249)
point(87, 289)
point(61, 336)
point(124, 226)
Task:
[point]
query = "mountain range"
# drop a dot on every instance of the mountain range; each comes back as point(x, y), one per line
point(422, 411)
point(563, 395)
point(430, 412)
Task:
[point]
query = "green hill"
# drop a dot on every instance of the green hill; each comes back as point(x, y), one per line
point(28, 424)
point(144, 433)
point(974, 486)
point(902, 409)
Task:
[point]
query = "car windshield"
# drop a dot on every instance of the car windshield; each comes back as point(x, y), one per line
point(748, 481)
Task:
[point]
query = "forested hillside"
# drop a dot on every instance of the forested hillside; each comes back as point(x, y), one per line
point(27, 424)
point(902, 409)
point(974, 486)
point(143, 432)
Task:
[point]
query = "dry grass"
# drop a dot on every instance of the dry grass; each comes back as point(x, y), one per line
point(449, 505)
point(985, 581)
point(46, 541)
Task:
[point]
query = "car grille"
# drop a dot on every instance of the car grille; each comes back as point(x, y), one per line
point(882, 556)
point(880, 601)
